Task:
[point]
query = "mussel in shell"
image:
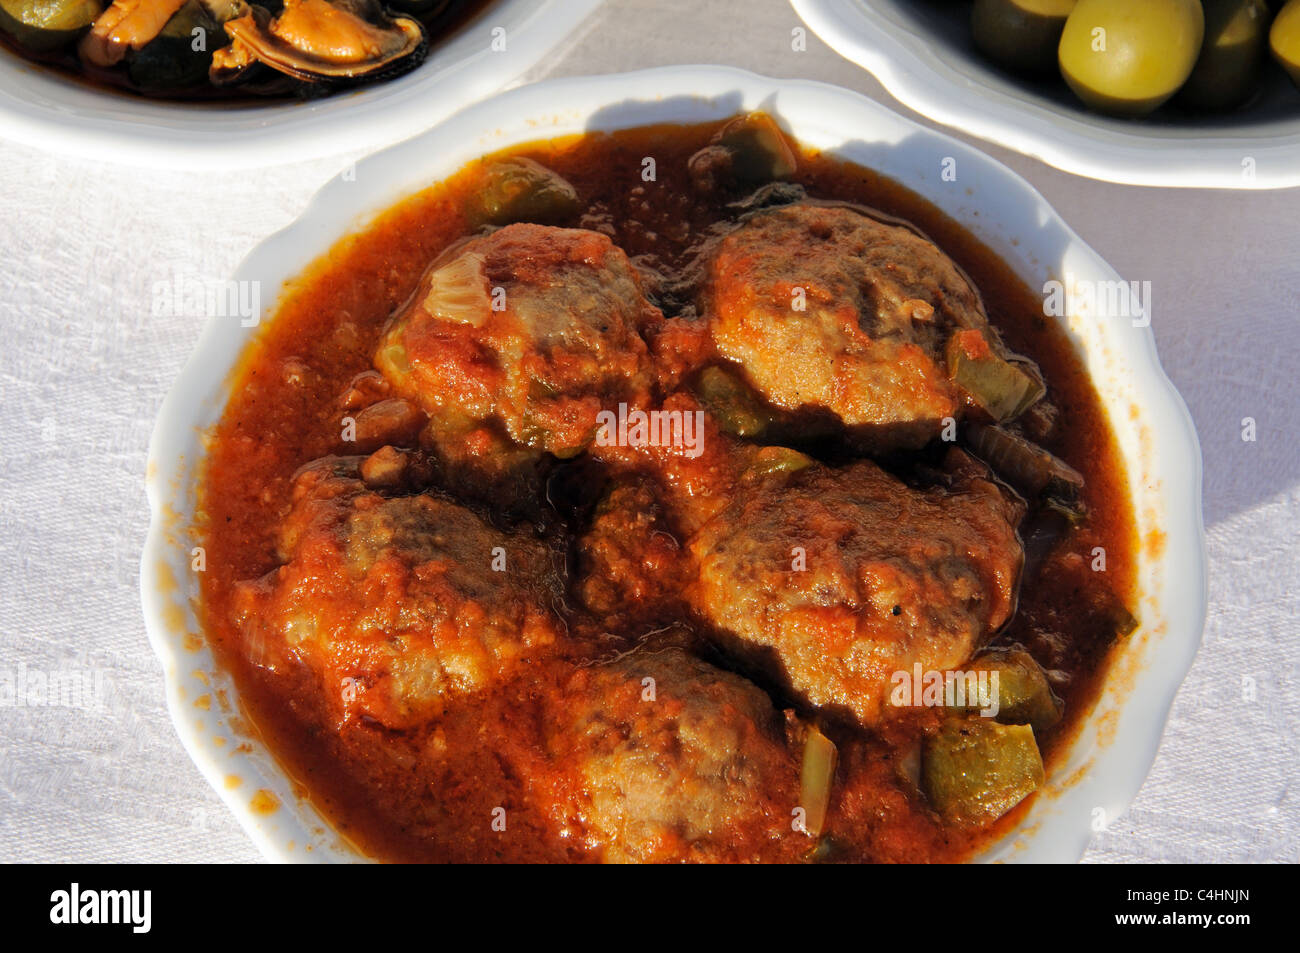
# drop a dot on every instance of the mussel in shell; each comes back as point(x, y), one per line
point(181, 54)
point(320, 40)
point(125, 26)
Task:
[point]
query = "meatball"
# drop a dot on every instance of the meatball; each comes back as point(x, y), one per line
point(672, 759)
point(836, 579)
point(828, 309)
point(531, 331)
point(397, 604)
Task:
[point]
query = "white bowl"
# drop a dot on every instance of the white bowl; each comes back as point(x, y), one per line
point(48, 109)
point(922, 53)
point(1115, 749)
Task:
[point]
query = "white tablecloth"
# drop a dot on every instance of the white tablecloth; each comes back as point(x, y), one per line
point(84, 367)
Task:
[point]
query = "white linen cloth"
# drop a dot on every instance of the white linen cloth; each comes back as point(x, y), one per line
point(84, 367)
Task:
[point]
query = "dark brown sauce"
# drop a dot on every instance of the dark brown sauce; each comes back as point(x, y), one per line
point(329, 322)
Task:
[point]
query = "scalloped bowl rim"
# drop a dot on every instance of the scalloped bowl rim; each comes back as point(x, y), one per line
point(43, 108)
point(1108, 762)
point(914, 72)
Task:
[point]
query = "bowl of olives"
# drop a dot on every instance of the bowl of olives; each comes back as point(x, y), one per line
point(1191, 93)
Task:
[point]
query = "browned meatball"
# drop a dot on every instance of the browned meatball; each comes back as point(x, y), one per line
point(530, 329)
point(836, 579)
point(826, 308)
point(672, 759)
point(394, 603)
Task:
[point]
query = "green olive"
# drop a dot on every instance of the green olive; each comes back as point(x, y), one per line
point(43, 25)
point(1127, 58)
point(1228, 69)
point(1020, 34)
point(1284, 38)
point(179, 56)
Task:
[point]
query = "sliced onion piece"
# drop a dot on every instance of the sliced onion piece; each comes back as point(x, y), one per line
point(816, 778)
point(458, 291)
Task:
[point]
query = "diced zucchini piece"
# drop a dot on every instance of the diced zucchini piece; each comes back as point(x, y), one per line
point(1002, 388)
point(975, 769)
point(1024, 696)
point(521, 190)
point(758, 148)
point(749, 150)
point(733, 403)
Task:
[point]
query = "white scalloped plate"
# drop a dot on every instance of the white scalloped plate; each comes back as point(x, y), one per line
point(47, 109)
point(923, 55)
point(1117, 745)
